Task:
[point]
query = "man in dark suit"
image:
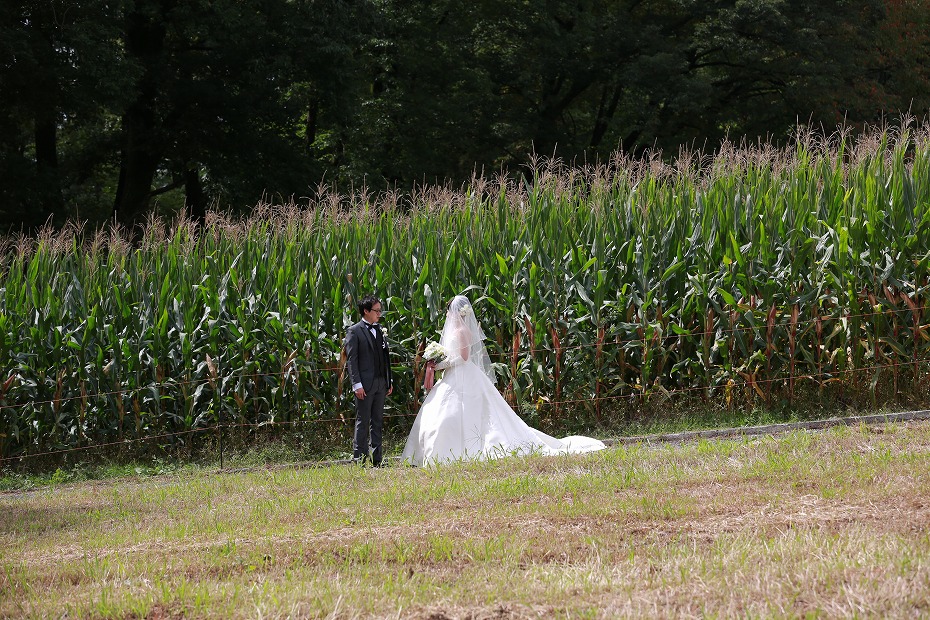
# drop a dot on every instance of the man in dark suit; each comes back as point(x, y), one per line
point(368, 361)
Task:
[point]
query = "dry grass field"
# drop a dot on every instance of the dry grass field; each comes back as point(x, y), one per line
point(804, 524)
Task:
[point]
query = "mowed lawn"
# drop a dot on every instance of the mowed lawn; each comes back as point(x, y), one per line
point(833, 523)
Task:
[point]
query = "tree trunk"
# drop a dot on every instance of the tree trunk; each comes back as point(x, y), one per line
point(195, 199)
point(605, 113)
point(45, 119)
point(137, 171)
point(142, 144)
point(313, 111)
point(46, 142)
point(554, 101)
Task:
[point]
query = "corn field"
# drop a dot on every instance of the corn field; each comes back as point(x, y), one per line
point(757, 274)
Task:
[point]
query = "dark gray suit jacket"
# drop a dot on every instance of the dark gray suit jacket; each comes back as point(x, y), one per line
point(361, 348)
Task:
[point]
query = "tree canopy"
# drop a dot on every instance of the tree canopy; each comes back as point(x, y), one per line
point(115, 108)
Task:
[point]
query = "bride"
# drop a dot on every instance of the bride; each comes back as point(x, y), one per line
point(464, 416)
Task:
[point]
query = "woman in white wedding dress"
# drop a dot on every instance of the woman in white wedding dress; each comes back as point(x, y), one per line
point(464, 416)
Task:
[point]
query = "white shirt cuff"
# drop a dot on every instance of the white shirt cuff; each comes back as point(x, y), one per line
point(355, 386)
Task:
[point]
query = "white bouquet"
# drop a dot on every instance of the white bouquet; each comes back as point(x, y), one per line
point(435, 352)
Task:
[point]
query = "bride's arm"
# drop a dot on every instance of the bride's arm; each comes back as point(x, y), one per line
point(463, 353)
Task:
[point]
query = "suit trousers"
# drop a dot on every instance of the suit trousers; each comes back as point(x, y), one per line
point(369, 420)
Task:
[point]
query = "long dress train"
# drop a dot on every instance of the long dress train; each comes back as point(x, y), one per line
point(465, 417)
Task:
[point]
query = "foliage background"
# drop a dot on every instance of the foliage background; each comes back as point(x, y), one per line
point(756, 276)
point(120, 108)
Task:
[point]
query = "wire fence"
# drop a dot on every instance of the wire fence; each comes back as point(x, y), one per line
point(503, 357)
point(220, 428)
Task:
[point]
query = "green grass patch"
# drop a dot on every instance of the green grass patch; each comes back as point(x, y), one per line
point(830, 524)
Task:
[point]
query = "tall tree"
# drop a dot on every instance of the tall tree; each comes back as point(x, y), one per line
point(60, 71)
point(108, 106)
point(218, 100)
point(127, 101)
point(897, 74)
point(580, 78)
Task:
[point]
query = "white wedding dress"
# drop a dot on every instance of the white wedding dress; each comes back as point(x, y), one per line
point(464, 417)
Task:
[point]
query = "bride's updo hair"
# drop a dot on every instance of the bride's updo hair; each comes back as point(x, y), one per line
point(460, 305)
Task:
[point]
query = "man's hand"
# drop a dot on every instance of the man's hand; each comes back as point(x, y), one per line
point(390, 389)
point(360, 393)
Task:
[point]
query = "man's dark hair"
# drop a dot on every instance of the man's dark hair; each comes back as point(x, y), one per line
point(366, 303)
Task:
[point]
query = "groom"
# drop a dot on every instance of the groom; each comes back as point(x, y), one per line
point(370, 371)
